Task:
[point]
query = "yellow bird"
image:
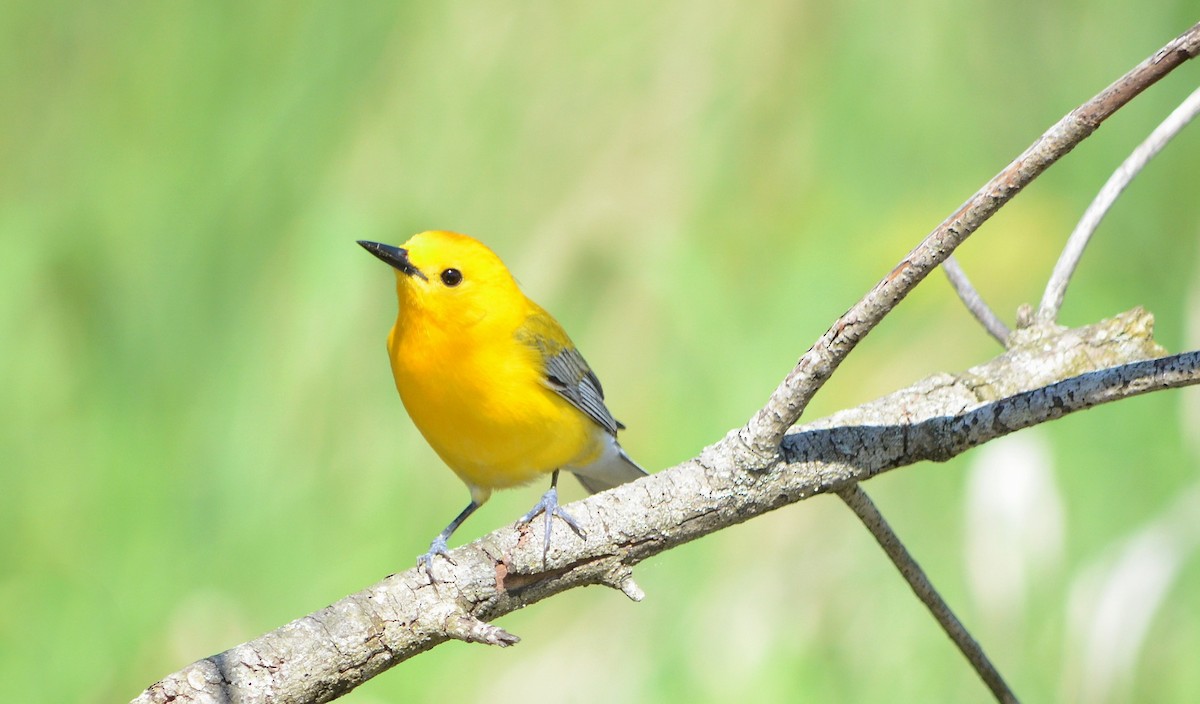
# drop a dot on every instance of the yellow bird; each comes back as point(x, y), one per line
point(492, 381)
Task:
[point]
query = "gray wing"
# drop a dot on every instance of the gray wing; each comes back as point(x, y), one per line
point(570, 376)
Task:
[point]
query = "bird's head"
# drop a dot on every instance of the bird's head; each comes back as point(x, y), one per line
point(448, 278)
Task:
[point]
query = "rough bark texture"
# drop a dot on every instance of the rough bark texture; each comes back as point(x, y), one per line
point(327, 653)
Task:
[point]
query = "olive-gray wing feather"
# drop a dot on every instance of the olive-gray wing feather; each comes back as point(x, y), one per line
point(570, 376)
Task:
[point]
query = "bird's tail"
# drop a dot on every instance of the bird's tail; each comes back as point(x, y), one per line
point(614, 468)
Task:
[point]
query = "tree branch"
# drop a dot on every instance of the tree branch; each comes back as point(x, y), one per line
point(325, 654)
point(761, 436)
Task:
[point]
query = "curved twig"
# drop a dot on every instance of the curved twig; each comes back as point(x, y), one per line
point(1056, 288)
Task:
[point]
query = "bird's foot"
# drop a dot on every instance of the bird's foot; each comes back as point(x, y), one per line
point(437, 547)
point(549, 506)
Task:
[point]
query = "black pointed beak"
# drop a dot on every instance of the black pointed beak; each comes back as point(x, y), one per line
point(396, 257)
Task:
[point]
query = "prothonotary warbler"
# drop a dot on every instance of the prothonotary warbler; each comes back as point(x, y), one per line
point(492, 381)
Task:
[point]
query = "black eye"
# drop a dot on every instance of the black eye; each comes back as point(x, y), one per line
point(452, 277)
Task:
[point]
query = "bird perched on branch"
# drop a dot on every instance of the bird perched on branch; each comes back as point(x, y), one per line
point(492, 381)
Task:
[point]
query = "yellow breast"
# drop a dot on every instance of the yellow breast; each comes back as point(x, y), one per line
point(482, 405)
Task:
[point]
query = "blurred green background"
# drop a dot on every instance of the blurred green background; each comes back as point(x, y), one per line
point(201, 440)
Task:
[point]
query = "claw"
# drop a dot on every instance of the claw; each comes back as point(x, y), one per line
point(549, 506)
point(437, 547)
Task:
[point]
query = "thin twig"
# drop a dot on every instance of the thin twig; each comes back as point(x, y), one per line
point(971, 298)
point(1056, 288)
point(861, 504)
point(761, 436)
